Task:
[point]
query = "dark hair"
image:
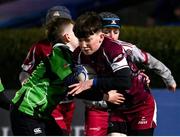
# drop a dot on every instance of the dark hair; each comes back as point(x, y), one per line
point(55, 29)
point(87, 24)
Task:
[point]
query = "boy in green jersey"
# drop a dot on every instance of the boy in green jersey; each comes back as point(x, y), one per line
point(47, 85)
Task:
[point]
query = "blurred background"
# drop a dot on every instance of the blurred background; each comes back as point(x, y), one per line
point(31, 13)
point(153, 25)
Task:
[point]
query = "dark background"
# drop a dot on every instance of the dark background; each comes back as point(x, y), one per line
point(30, 13)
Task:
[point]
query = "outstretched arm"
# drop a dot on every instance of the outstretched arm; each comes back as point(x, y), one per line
point(160, 69)
point(155, 65)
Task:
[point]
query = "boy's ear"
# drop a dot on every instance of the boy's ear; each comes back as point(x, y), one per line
point(66, 38)
point(101, 35)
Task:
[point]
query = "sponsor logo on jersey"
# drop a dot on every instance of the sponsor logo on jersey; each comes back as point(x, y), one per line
point(59, 118)
point(95, 128)
point(142, 121)
point(66, 65)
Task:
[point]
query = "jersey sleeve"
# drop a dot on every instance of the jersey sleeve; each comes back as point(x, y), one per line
point(36, 54)
point(160, 69)
point(153, 64)
point(30, 60)
point(137, 55)
point(116, 57)
point(59, 64)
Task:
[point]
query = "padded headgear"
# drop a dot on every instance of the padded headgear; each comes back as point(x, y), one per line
point(57, 11)
point(110, 19)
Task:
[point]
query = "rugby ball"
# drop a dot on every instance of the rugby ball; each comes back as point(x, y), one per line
point(85, 72)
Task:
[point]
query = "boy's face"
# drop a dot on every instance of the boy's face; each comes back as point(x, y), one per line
point(73, 39)
point(112, 32)
point(92, 43)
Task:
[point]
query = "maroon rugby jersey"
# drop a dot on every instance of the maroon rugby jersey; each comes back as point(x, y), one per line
point(112, 57)
point(36, 53)
point(107, 62)
point(108, 59)
point(139, 90)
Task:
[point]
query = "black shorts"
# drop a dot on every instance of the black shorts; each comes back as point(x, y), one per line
point(119, 127)
point(26, 125)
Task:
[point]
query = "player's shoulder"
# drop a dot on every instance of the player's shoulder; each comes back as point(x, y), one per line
point(42, 43)
point(126, 45)
point(112, 49)
point(111, 46)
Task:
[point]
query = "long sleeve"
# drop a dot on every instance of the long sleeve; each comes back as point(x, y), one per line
point(160, 69)
point(145, 58)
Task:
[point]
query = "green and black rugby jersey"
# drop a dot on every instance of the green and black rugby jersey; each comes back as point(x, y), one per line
point(45, 88)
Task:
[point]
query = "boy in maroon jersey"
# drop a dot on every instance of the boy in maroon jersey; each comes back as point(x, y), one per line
point(141, 118)
point(97, 111)
point(102, 54)
point(136, 125)
point(63, 113)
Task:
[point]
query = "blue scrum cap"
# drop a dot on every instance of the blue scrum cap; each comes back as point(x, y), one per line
point(110, 19)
